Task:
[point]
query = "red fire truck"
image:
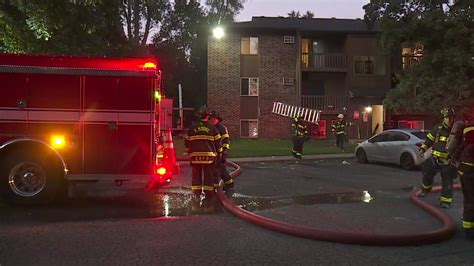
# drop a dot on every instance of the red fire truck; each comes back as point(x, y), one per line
point(66, 119)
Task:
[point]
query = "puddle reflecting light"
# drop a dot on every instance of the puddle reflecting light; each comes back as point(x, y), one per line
point(166, 205)
point(366, 197)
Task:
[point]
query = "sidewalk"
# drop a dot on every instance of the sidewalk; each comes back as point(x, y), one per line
point(285, 158)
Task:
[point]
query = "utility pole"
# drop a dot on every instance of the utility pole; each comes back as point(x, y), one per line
point(180, 98)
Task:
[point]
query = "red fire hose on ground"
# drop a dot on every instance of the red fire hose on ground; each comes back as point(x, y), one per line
point(347, 237)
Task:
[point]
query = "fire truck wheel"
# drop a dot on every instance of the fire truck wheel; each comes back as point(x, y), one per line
point(26, 179)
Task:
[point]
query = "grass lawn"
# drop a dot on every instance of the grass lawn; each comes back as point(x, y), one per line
point(273, 147)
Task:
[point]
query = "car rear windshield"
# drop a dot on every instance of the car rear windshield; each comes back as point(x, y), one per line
point(420, 134)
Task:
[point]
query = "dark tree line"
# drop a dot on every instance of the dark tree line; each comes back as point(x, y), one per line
point(445, 29)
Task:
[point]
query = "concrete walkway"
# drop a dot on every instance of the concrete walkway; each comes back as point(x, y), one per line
point(284, 158)
point(291, 158)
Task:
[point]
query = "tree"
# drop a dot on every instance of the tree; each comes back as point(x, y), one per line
point(181, 45)
point(308, 14)
point(294, 14)
point(444, 28)
point(222, 11)
point(80, 27)
point(60, 27)
point(140, 17)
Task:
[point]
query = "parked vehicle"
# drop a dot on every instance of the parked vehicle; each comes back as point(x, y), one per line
point(396, 146)
point(70, 119)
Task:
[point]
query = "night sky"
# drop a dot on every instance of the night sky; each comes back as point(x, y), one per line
point(320, 8)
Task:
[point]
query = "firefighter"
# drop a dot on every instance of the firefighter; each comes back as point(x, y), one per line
point(203, 143)
point(440, 161)
point(299, 134)
point(461, 147)
point(220, 168)
point(339, 129)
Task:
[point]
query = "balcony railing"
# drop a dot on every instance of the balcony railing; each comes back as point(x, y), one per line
point(324, 62)
point(325, 103)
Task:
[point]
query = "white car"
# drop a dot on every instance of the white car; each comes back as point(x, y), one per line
point(396, 146)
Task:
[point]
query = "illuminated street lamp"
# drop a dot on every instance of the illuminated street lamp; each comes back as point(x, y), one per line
point(368, 109)
point(218, 32)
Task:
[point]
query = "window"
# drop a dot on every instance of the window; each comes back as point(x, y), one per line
point(249, 86)
point(369, 65)
point(382, 137)
point(398, 136)
point(288, 39)
point(411, 55)
point(249, 45)
point(249, 128)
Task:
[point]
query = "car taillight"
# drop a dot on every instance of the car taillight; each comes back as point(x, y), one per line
point(419, 144)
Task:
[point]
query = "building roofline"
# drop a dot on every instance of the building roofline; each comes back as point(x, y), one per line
point(326, 25)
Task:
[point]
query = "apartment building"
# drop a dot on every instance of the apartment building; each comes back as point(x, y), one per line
point(332, 65)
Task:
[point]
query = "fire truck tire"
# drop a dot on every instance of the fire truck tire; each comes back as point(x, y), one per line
point(26, 179)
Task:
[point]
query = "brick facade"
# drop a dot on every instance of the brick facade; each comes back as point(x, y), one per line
point(223, 89)
point(277, 60)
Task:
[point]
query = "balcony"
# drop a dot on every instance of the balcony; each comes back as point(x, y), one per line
point(325, 103)
point(324, 62)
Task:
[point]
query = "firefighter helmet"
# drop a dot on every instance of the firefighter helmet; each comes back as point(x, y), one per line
point(202, 112)
point(447, 112)
point(341, 116)
point(216, 115)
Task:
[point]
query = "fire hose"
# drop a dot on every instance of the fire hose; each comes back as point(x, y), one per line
point(348, 237)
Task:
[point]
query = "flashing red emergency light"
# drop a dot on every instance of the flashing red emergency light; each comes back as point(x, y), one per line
point(161, 171)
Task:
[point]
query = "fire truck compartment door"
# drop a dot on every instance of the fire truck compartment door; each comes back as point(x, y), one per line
point(100, 95)
point(135, 125)
point(12, 117)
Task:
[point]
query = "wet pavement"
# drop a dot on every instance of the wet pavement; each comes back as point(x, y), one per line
point(109, 225)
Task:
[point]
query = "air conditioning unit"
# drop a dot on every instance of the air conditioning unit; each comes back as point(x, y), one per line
point(288, 39)
point(288, 81)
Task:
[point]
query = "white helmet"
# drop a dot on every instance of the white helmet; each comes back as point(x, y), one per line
point(340, 116)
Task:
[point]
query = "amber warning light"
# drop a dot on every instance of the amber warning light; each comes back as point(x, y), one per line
point(161, 171)
point(149, 66)
point(58, 141)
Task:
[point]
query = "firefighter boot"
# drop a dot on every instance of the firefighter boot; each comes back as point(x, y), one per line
point(469, 234)
point(196, 204)
point(229, 191)
point(208, 204)
point(423, 193)
point(445, 205)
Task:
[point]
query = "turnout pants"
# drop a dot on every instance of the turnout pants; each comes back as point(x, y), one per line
point(297, 145)
point(448, 172)
point(340, 138)
point(467, 181)
point(220, 172)
point(202, 180)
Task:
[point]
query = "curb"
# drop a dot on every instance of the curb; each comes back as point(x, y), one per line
point(284, 158)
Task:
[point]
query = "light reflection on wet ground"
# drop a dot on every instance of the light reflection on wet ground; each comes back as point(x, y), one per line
point(135, 204)
point(167, 203)
point(258, 204)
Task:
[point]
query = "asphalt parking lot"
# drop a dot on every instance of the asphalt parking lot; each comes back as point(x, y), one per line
point(123, 225)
